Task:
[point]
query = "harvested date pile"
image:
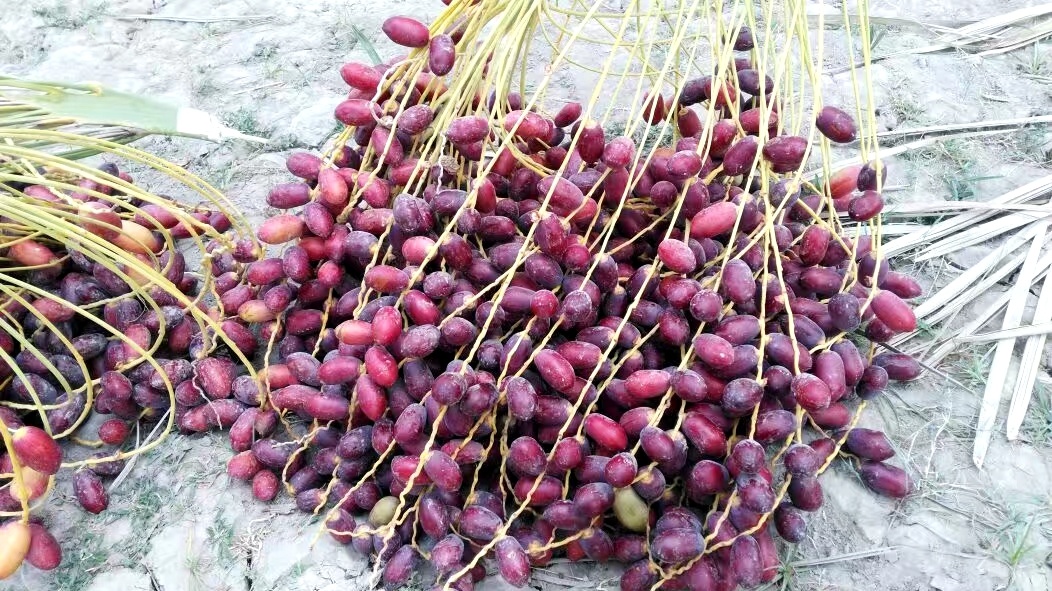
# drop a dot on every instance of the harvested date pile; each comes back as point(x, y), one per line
point(507, 334)
point(498, 327)
point(100, 315)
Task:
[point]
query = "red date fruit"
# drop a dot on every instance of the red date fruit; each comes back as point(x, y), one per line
point(406, 31)
point(676, 546)
point(479, 523)
point(90, 491)
point(810, 392)
point(899, 366)
point(593, 499)
point(806, 493)
point(886, 479)
point(785, 153)
point(836, 125)
point(512, 562)
point(606, 432)
point(869, 444)
point(441, 55)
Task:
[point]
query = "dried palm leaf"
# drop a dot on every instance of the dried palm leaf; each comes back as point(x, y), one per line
point(954, 225)
point(972, 282)
point(994, 35)
point(1017, 217)
point(954, 127)
point(832, 16)
point(1030, 363)
point(1003, 351)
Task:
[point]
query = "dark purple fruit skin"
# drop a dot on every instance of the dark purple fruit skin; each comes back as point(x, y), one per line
point(512, 562)
point(741, 396)
point(676, 546)
point(802, 460)
point(899, 366)
point(594, 499)
point(441, 55)
point(836, 125)
point(446, 554)
point(806, 493)
point(677, 517)
point(90, 491)
point(640, 576)
point(755, 493)
point(745, 557)
point(874, 380)
point(401, 566)
point(562, 515)
point(630, 548)
point(479, 523)
point(867, 177)
point(740, 156)
point(707, 478)
point(748, 455)
point(886, 479)
point(869, 444)
point(597, 545)
point(844, 311)
point(774, 426)
point(790, 523)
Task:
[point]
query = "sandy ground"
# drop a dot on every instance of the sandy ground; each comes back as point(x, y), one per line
point(178, 523)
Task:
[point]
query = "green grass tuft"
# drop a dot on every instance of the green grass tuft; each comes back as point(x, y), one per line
point(82, 557)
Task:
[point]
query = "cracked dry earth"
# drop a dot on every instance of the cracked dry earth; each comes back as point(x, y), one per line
point(177, 523)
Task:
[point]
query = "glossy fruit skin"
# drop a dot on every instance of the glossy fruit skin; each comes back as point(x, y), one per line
point(677, 256)
point(740, 156)
point(874, 380)
point(479, 523)
point(869, 444)
point(741, 396)
point(790, 523)
point(36, 449)
point(811, 393)
point(406, 31)
point(676, 546)
point(15, 543)
point(866, 206)
point(512, 562)
point(90, 491)
point(606, 432)
point(749, 456)
point(785, 153)
point(886, 479)
point(844, 311)
point(898, 366)
point(441, 55)
point(44, 552)
point(593, 499)
point(893, 312)
point(806, 493)
point(707, 478)
point(802, 460)
point(836, 125)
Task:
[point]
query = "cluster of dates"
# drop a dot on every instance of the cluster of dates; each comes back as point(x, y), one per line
point(503, 335)
point(62, 365)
